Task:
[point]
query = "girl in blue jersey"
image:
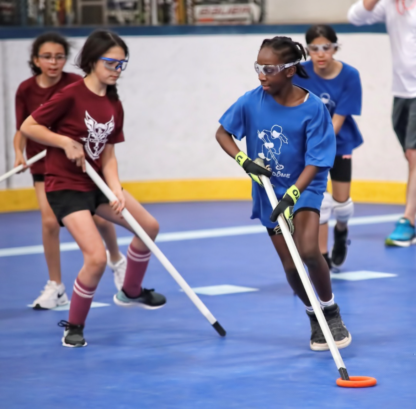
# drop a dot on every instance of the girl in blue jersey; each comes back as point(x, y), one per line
point(291, 130)
point(338, 86)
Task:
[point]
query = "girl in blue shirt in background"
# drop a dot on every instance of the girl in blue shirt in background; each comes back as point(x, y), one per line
point(338, 86)
point(291, 130)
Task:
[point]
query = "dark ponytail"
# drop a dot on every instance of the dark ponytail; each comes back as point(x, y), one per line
point(289, 51)
point(50, 37)
point(97, 44)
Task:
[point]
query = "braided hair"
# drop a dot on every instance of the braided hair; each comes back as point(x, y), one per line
point(288, 50)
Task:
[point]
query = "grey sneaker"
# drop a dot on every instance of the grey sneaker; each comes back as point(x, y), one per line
point(73, 335)
point(317, 342)
point(148, 299)
point(338, 329)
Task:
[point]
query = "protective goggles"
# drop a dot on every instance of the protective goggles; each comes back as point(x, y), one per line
point(273, 69)
point(316, 48)
point(114, 65)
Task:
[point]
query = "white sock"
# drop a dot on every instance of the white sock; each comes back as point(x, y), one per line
point(327, 303)
point(309, 309)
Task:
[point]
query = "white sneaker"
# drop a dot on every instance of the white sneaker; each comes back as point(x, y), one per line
point(53, 295)
point(119, 270)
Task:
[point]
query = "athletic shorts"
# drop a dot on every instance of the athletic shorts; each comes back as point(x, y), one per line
point(404, 121)
point(342, 169)
point(272, 232)
point(38, 177)
point(65, 202)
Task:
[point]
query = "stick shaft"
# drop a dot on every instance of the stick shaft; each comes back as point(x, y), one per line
point(152, 246)
point(303, 276)
point(17, 169)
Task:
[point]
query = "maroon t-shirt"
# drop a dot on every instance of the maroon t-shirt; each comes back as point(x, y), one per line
point(29, 97)
point(89, 119)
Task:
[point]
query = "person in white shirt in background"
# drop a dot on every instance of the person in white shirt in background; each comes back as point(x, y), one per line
point(400, 19)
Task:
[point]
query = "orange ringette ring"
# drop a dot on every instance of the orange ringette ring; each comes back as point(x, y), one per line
point(357, 382)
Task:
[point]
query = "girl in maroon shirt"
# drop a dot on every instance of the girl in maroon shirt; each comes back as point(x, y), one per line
point(83, 122)
point(48, 57)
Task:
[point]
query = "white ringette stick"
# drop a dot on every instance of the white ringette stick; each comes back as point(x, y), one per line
point(17, 169)
point(156, 251)
point(305, 279)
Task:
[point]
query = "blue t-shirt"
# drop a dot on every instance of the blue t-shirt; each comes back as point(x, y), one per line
point(287, 139)
point(342, 96)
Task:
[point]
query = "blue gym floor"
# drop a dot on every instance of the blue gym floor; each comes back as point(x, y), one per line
point(173, 358)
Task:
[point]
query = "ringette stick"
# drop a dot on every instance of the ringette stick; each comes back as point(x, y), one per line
point(156, 251)
point(17, 169)
point(304, 277)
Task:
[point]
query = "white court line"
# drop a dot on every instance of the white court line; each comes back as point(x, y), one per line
point(195, 234)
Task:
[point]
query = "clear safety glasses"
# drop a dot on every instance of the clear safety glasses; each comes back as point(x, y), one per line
point(114, 65)
point(273, 69)
point(50, 58)
point(326, 48)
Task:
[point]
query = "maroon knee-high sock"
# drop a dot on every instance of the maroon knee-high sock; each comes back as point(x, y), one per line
point(80, 303)
point(137, 262)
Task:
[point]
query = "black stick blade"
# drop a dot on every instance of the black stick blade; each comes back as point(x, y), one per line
point(344, 374)
point(217, 326)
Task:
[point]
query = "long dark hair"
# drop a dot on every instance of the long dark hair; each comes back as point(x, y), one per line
point(321, 30)
point(288, 50)
point(50, 37)
point(97, 44)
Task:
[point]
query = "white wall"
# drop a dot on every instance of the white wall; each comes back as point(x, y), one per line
point(176, 88)
point(307, 11)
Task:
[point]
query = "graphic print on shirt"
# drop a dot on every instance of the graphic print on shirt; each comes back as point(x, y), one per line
point(97, 135)
point(271, 149)
point(404, 6)
point(326, 99)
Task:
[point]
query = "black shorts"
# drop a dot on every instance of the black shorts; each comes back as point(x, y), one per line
point(272, 232)
point(38, 177)
point(65, 202)
point(404, 122)
point(342, 169)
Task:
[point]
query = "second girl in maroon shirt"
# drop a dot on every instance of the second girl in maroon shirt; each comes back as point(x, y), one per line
point(87, 121)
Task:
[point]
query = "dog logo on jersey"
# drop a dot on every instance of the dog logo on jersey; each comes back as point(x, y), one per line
point(271, 148)
point(326, 99)
point(97, 135)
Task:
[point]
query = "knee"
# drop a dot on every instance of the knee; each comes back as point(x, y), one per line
point(326, 208)
point(50, 225)
point(96, 262)
point(410, 155)
point(310, 255)
point(152, 228)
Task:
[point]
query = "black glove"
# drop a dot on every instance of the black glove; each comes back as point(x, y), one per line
point(253, 169)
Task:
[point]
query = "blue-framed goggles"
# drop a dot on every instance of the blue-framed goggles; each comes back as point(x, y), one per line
point(114, 65)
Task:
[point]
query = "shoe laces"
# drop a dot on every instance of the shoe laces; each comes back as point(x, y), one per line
point(67, 325)
point(145, 291)
point(49, 288)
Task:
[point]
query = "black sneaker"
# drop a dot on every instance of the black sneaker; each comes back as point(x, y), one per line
point(339, 251)
point(328, 260)
point(338, 329)
point(73, 335)
point(318, 342)
point(148, 299)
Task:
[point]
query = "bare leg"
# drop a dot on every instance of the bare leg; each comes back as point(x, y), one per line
point(50, 234)
point(108, 233)
point(341, 192)
point(306, 240)
point(142, 216)
point(410, 210)
point(83, 230)
point(323, 238)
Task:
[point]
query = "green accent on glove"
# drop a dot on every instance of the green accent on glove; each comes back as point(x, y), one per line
point(241, 157)
point(294, 193)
